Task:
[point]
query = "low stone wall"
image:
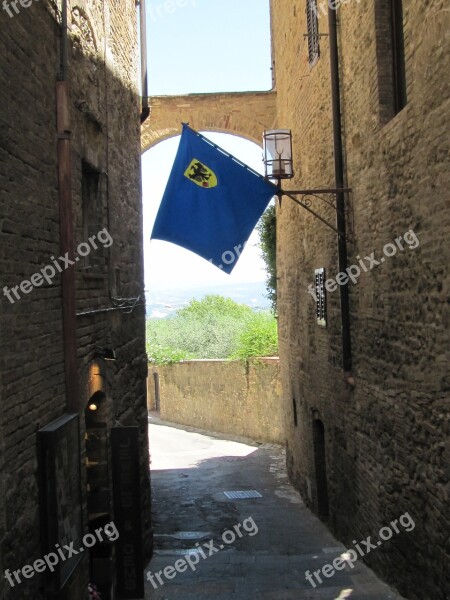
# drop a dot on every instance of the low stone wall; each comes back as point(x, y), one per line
point(236, 397)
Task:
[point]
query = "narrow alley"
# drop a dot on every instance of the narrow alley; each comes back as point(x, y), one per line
point(210, 543)
point(234, 213)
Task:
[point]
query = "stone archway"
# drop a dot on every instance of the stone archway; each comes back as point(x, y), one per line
point(246, 114)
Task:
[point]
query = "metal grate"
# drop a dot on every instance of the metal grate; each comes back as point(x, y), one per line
point(244, 494)
point(321, 304)
point(312, 21)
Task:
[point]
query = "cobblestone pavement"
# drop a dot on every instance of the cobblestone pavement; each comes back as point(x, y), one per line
point(279, 538)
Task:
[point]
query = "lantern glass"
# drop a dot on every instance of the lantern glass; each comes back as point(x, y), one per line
point(278, 154)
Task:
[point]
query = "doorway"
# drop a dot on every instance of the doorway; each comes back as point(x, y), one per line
point(320, 468)
point(98, 490)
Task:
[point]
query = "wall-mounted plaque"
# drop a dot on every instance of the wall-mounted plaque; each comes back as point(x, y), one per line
point(60, 496)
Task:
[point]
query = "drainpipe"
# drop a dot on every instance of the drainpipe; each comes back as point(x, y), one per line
point(144, 72)
point(340, 196)
point(64, 43)
point(66, 221)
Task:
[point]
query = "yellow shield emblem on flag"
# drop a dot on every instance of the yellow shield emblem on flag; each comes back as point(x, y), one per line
point(201, 175)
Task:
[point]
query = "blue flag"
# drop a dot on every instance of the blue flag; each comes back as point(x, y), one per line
point(212, 202)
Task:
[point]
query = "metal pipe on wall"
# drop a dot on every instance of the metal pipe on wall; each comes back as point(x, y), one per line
point(64, 166)
point(340, 196)
point(145, 111)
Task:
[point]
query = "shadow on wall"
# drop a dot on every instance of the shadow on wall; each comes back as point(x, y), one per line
point(104, 122)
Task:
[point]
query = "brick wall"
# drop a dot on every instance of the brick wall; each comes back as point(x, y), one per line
point(235, 397)
point(104, 107)
point(385, 439)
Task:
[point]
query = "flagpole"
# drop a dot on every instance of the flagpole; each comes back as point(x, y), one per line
point(239, 162)
point(278, 191)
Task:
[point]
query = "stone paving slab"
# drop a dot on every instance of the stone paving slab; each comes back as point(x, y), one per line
point(191, 470)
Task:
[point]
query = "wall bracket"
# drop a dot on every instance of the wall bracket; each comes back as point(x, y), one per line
point(306, 202)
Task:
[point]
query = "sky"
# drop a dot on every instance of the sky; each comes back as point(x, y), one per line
point(202, 46)
point(208, 46)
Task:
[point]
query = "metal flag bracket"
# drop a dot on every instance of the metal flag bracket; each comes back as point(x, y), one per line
point(327, 195)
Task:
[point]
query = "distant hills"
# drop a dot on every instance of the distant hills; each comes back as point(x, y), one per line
point(163, 302)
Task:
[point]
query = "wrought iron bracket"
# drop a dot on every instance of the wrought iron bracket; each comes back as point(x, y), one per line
point(306, 201)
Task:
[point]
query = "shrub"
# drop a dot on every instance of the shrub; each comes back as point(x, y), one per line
point(259, 338)
point(207, 328)
point(267, 228)
point(162, 355)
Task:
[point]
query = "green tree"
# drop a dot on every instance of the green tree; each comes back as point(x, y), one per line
point(214, 327)
point(214, 306)
point(207, 328)
point(267, 228)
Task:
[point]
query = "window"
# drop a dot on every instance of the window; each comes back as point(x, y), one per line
point(398, 55)
point(312, 21)
point(391, 70)
point(320, 464)
point(92, 207)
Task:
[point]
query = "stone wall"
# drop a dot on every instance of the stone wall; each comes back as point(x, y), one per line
point(104, 112)
point(246, 114)
point(235, 397)
point(385, 440)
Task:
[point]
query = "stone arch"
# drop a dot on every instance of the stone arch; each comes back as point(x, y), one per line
point(245, 114)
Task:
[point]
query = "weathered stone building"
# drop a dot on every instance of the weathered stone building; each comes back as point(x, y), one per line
point(245, 114)
point(369, 445)
point(364, 454)
point(68, 166)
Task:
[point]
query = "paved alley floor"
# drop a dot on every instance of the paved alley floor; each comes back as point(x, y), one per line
point(210, 544)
